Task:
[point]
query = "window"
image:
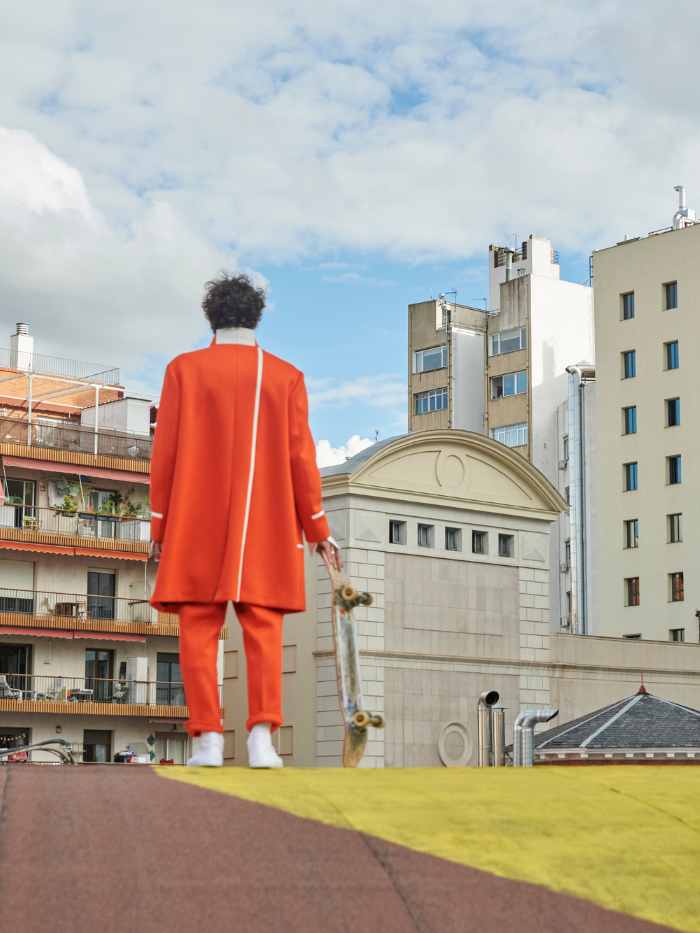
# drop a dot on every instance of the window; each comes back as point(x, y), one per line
point(567, 553)
point(632, 591)
point(630, 476)
point(505, 545)
point(397, 532)
point(512, 435)
point(674, 470)
point(628, 306)
point(452, 539)
point(675, 581)
point(479, 542)
point(424, 361)
point(566, 448)
point(630, 420)
point(671, 295)
point(100, 601)
point(97, 745)
point(674, 528)
point(431, 401)
point(425, 536)
point(508, 341)
point(676, 634)
point(511, 384)
point(98, 673)
point(673, 412)
point(672, 355)
point(567, 494)
point(170, 690)
point(22, 494)
point(632, 533)
point(629, 364)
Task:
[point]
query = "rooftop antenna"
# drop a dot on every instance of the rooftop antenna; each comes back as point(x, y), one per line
point(485, 300)
point(684, 216)
point(515, 240)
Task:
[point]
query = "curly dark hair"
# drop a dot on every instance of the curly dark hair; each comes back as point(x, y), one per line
point(233, 301)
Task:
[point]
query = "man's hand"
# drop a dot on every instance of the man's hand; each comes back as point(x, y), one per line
point(331, 551)
point(156, 550)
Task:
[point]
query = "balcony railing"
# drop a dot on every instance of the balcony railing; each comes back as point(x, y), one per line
point(63, 526)
point(76, 439)
point(66, 609)
point(57, 366)
point(43, 692)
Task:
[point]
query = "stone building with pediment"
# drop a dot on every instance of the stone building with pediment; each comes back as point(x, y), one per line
point(448, 529)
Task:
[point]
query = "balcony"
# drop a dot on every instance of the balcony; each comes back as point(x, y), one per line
point(41, 693)
point(80, 446)
point(62, 528)
point(84, 613)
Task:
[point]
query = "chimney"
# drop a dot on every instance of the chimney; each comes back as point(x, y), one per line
point(684, 216)
point(21, 349)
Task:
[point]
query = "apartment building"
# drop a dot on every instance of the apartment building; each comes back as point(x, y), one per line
point(83, 656)
point(503, 372)
point(647, 300)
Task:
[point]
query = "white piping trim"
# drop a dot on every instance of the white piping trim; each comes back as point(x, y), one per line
point(301, 546)
point(155, 514)
point(318, 514)
point(254, 441)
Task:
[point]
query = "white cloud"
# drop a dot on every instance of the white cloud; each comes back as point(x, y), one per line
point(329, 456)
point(354, 278)
point(386, 390)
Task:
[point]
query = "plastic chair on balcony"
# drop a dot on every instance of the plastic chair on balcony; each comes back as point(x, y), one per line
point(6, 691)
point(31, 522)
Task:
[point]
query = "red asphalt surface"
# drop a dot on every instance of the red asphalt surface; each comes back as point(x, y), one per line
point(116, 848)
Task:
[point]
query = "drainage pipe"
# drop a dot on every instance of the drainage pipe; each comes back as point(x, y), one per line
point(485, 702)
point(498, 724)
point(523, 734)
point(576, 515)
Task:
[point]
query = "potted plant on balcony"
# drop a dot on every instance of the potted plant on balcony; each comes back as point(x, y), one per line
point(74, 500)
point(131, 510)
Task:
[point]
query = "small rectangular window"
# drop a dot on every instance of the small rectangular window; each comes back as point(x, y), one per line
point(630, 420)
point(505, 545)
point(629, 364)
point(674, 470)
point(424, 361)
point(632, 533)
point(431, 401)
point(509, 341)
point(673, 412)
point(397, 532)
point(674, 528)
point(676, 634)
point(675, 581)
point(672, 355)
point(636, 635)
point(628, 306)
point(452, 539)
point(566, 447)
point(632, 587)
point(671, 289)
point(512, 435)
point(630, 476)
point(425, 536)
point(567, 494)
point(479, 542)
point(510, 384)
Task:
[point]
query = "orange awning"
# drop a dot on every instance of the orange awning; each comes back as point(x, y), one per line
point(77, 469)
point(97, 552)
point(70, 551)
point(109, 636)
point(44, 632)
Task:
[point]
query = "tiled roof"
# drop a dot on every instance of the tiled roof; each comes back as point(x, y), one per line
point(353, 463)
point(641, 721)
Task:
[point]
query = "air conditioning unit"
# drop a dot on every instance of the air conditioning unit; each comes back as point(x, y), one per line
point(566, 620)
point(563, 464)
point(564, 568)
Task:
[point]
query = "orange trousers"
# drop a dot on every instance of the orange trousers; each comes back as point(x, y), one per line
point(200, 625)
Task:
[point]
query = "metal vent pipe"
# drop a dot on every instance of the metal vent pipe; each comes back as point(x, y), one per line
point(523, 734)
point(498, 725)
point(485, 702)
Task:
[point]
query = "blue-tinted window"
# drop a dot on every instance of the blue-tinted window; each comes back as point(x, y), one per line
point(431, 401)
point(672, 295)
point(630, 420)
point(672, 355)
point(629, 364)
point(630, 476)
point(628, 306)
point(510, 384)
point(674, 470)
point(674, 412)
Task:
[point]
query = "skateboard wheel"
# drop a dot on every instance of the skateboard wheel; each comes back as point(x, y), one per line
point(348, 593)
point(378, 721)
point(367, 599)
point(360, 719)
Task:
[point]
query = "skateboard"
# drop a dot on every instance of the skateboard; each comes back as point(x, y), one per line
point(347, 667)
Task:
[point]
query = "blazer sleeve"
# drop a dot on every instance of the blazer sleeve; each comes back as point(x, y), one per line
point(306, 479)
point(164, 453)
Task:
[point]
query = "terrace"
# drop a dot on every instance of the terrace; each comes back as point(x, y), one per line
point(50, 612)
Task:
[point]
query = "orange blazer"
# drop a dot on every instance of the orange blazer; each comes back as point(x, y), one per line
point(234, 480)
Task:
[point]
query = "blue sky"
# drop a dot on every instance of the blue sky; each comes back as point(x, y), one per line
point(351, 156)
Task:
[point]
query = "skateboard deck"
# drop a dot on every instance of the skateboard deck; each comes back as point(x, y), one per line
point(347, 667)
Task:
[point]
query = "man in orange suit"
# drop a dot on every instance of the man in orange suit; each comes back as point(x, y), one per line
point(234, 486)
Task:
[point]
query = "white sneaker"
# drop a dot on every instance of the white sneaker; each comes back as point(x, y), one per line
point(261, 754)
point(210, 751)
